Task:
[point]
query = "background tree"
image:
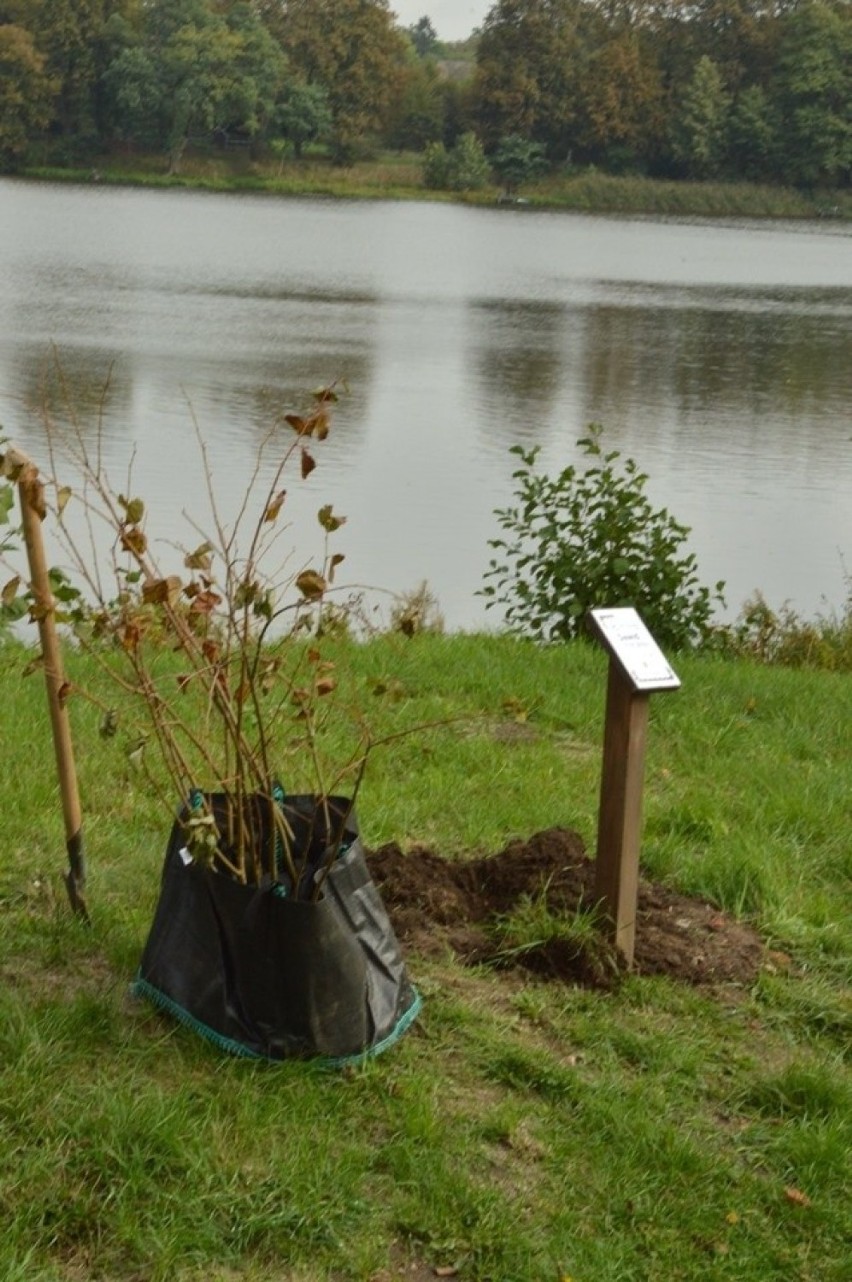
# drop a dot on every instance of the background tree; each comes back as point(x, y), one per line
point(699, 129)
point(464, 167)
point(754, 136)
point(302, 114)
point(66, 33)
point(26, 93)
point(191, 70)
point(740, 36)
point(517, 161)
point(354, 50)
point(527, 72)
point(423, 36)
point(416, 112)
point(623, 101)
point(260, 68)
point(813, 92)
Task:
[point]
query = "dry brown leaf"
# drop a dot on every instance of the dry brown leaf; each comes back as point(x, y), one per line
point(275, 506)
point(134, 540)
point(162, 591)
point(311, 584)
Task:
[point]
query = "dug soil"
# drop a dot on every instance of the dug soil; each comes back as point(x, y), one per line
point(437, 905)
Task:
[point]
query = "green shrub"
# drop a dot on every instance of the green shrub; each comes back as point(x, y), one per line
point(591, 538)
point(517, 160)
point(464, 168)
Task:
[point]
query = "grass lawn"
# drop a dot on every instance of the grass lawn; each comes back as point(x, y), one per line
point(523, 1131)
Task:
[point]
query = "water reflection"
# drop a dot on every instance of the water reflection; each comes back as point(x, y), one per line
point(519, 351)
point(779, 365)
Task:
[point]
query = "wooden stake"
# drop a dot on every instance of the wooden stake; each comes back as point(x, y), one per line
point(620, 814)
point(31, 497)
point(636, 668)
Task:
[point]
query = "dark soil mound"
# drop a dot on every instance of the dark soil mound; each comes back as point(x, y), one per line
point(435, 904)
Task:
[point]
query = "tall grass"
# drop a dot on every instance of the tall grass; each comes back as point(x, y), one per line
point(521, 1130)
point(398, 176)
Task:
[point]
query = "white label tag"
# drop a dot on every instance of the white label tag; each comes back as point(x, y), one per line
point(626, 637)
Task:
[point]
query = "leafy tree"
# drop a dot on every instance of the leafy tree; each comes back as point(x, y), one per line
point(700, 127)
point(739, 35)
point(517, 161)
point(529, 61)
point(753, 134)
point(26, 93)
point(353, 50)
point(423, 36)
point(66, 34)
point(813, 90)
point(622, 98)
point(192, 70)
point(259, 68)
point(132, 97)
point(436, 167)
point(302, 114)
point(592, 538)
point(417, 112)
point(463, 168)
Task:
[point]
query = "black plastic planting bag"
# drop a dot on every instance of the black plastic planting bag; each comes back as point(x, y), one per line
point(265, 971)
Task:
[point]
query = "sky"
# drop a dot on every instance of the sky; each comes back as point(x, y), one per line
point(452, 19)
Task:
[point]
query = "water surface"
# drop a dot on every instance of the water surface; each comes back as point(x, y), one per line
point(716, 354)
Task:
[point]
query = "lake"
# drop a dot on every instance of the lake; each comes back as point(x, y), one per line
point(717, 354)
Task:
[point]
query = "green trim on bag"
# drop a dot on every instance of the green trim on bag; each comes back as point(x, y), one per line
point(142, 988)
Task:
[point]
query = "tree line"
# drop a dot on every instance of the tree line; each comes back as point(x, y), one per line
point(737, 89)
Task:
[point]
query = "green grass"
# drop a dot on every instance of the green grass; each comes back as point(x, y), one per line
point(398, 176)
point(521, 1131)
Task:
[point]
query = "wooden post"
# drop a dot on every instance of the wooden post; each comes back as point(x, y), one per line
point(636, 669)
point(31, 497)
point(620, 813)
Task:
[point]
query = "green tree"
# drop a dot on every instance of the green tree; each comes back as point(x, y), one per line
point(302, 114)
point(813, 92)
point(193, 70)
point(423, 36)
point(464, 167)
point(517, 161)
point(700, 127)
point(260, 67)
point(351, 48)
point(26, 93)
point(753, 135)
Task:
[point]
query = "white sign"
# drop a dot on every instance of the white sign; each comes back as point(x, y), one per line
point(631, 644)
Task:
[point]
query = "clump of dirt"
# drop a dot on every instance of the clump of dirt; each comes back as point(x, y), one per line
point(435, 904)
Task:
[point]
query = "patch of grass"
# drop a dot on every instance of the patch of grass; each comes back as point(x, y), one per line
point(522, 1129)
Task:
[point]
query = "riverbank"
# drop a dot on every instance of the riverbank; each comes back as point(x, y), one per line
point(524, 1128)
point(398, 176)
